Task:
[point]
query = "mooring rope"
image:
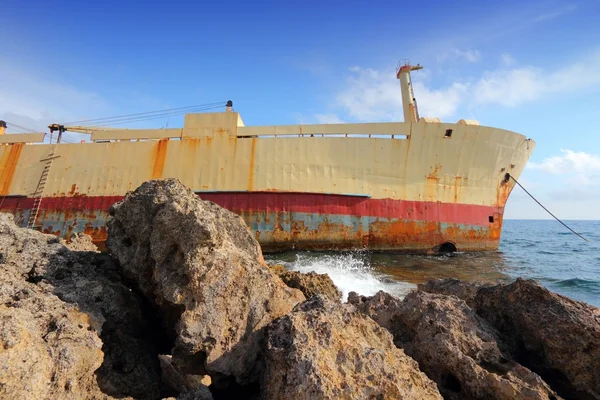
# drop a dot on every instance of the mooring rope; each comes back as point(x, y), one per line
point(541, 205)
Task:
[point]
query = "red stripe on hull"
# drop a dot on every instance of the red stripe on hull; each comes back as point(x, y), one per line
point(310, 221)
point(455, 213)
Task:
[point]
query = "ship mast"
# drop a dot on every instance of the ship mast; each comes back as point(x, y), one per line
point(409, 103)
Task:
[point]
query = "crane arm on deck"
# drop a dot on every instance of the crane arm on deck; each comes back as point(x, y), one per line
point(77, 128)
point(120, 133)
point(99, 133)
point(89, 130)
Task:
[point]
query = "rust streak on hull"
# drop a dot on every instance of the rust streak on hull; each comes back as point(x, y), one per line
point(251, 167)
point(159, 158)
point(8, 166)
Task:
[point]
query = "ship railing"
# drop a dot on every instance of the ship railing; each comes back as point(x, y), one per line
point(317, 135)
point(393, 130)
point(396, 130)
point(267, 136)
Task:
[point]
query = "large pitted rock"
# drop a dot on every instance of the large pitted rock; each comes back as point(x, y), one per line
point(49, 350)
point(454, 347)
point(327, 350)
point(69, 328)
point(311, 283)
point(201, 267)
point(554, 336)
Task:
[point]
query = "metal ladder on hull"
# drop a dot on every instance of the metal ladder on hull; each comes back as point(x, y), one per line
point(412, 95)
point(38, 195)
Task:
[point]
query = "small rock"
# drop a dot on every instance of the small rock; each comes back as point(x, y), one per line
point(382, 307)
point(80, 242)
point(311, 283)
point(327, 350)
point(178, 381)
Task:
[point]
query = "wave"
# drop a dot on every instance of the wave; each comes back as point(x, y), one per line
point(578, 283)
point(350, 272)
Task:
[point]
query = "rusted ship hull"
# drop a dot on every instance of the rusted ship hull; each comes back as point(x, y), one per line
point(415, 186)
point(281, 221)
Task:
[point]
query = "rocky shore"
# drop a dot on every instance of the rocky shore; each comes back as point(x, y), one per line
point(183, 306)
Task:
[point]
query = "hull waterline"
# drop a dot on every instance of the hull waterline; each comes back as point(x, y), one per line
point(283, 221)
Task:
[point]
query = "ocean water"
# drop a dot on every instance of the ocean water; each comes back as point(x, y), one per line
point(542, 250)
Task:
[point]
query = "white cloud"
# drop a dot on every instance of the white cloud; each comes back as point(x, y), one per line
point(507, 59)
point(374, 95)
point(315, 67)
point(455, 54)
point(581, 206)
point(33, 101)
point(371, 95)
point(577, 194)
point(469, 55)
point(440, 103)
point(514, 86)
point(565, 196)
point(328, 119)
point(554, 14)
point(509, 87)
point(325, 118)
point(581, 168)
point(568, 184)
point(20, 123)
point(27, 95)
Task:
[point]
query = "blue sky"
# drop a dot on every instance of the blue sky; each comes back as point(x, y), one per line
point(532, 67)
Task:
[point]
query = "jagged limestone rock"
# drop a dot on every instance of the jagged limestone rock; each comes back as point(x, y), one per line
point(557, 337)
point(456, 348)
point(203, 270)
point(327, 350)
point(70, 329)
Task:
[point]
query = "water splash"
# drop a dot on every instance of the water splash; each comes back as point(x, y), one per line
point(348, 271)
